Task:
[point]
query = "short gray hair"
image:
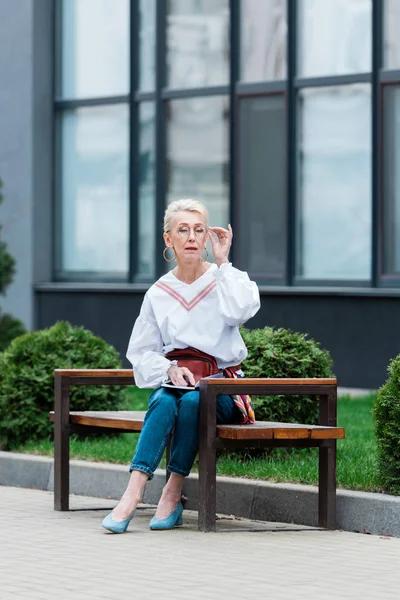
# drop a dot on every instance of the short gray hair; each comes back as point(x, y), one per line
point(181, 205)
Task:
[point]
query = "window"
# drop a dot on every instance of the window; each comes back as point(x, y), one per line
point(93, 136)
point(263, 39)
point(262, 198)
point(391, 153)
point(172, 124)
point(334, 214)
point(197, 43)
point(94, 48)
point(147, 190)
point(94, 184)
point(391, 34)
point(147, 45)
point(197, 153)
point(334, 37)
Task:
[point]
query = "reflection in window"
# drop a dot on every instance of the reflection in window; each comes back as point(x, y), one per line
point(334, 37)
point(391, 35)
point(146, 189)
point(334, 216)
point(263, 39)
point(94, 191)
point(391, 214)
point(197, 154)
point(147, 45)
point(262, 200)
point(94, 48)
point(197, 43)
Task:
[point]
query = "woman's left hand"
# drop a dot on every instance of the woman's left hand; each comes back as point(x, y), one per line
point(222, 245)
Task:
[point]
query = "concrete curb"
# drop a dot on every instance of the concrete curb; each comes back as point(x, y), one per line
point(286, 503)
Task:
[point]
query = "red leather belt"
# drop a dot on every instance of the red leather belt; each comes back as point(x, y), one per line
point(235, 368)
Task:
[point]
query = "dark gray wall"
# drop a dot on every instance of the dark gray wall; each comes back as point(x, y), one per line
point(25, 144)
point(109, 314)
point(361, 332)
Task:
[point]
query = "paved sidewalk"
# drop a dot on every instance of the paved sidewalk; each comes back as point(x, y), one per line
point(49, 555)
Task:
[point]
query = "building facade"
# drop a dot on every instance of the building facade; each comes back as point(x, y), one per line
point(282, 116)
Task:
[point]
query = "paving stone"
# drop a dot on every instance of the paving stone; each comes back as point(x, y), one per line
point(47, 555)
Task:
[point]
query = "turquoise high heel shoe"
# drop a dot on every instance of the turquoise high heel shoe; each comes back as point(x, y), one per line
point(174, 519)
point(116, 526)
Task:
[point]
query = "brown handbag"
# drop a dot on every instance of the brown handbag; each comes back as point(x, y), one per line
point(199, 363)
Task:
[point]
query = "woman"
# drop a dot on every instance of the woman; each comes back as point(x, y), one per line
point(196, 305)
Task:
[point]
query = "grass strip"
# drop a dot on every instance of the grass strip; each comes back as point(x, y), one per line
point(356, 456)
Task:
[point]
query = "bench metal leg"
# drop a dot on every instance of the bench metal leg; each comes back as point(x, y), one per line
point(327, 464)
point(327, 486)
point(61, 444)
point(207, 460)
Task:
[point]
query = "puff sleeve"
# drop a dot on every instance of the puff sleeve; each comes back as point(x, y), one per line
point(238, 296)
point(145, 350)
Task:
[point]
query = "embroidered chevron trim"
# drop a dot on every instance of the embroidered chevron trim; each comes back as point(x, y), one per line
point(187, 305)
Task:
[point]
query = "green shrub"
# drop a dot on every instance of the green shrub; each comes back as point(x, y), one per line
point(283, 353)
point(27, 380)
point(387, 429)
point(10, 328)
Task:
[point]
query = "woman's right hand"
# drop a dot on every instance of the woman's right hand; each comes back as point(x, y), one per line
point(178, 374)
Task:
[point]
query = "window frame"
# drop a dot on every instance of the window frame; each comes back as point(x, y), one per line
point(62, 105)
point(237, 90)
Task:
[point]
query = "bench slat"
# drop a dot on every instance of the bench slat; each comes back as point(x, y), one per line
point(128, 420)
point(128, 373)
point(273, 381)
point(279, 431)
point(133, 421)
point(94, 372)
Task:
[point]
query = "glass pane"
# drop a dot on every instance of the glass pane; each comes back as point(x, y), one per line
point(334, 37)
point(146, 190)
point(391, 35)
point(197, 43)
point(95, 190)
point(391, 214)
point(197, 154)
point(263, 30)
point(147, 48)
point(262, 177)
point(94, 48)
point(334, 216)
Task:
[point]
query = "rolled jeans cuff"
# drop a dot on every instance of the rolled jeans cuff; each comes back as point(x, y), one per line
point(178, 471)
point(135, 467)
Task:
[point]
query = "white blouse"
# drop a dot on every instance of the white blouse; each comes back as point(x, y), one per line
point(205, 314)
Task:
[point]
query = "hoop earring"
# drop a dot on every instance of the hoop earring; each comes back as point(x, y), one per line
point(206, 258)
point(169, 260)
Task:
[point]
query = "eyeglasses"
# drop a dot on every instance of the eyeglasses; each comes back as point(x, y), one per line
point(184, 231)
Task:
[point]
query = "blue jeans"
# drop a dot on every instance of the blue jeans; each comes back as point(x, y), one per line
point(177, 411)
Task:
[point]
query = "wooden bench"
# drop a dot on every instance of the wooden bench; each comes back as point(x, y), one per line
point(212, 437)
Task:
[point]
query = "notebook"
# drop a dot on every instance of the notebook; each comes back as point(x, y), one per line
point(169, 384)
